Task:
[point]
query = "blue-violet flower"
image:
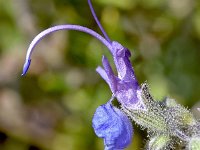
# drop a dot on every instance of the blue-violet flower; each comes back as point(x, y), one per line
point(109, 122)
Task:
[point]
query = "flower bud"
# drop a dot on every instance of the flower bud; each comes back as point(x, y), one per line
point(183, 116)
point(194, 143)
point(159, 142)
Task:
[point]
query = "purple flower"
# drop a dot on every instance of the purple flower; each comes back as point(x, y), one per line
point(124, 87)
point(113, 126)
point(109, 122)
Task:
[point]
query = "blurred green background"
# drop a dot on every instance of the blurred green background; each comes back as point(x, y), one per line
point(51, 108)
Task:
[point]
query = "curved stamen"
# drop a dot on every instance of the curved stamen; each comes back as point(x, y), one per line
point(41, 35)
point(98, 22)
